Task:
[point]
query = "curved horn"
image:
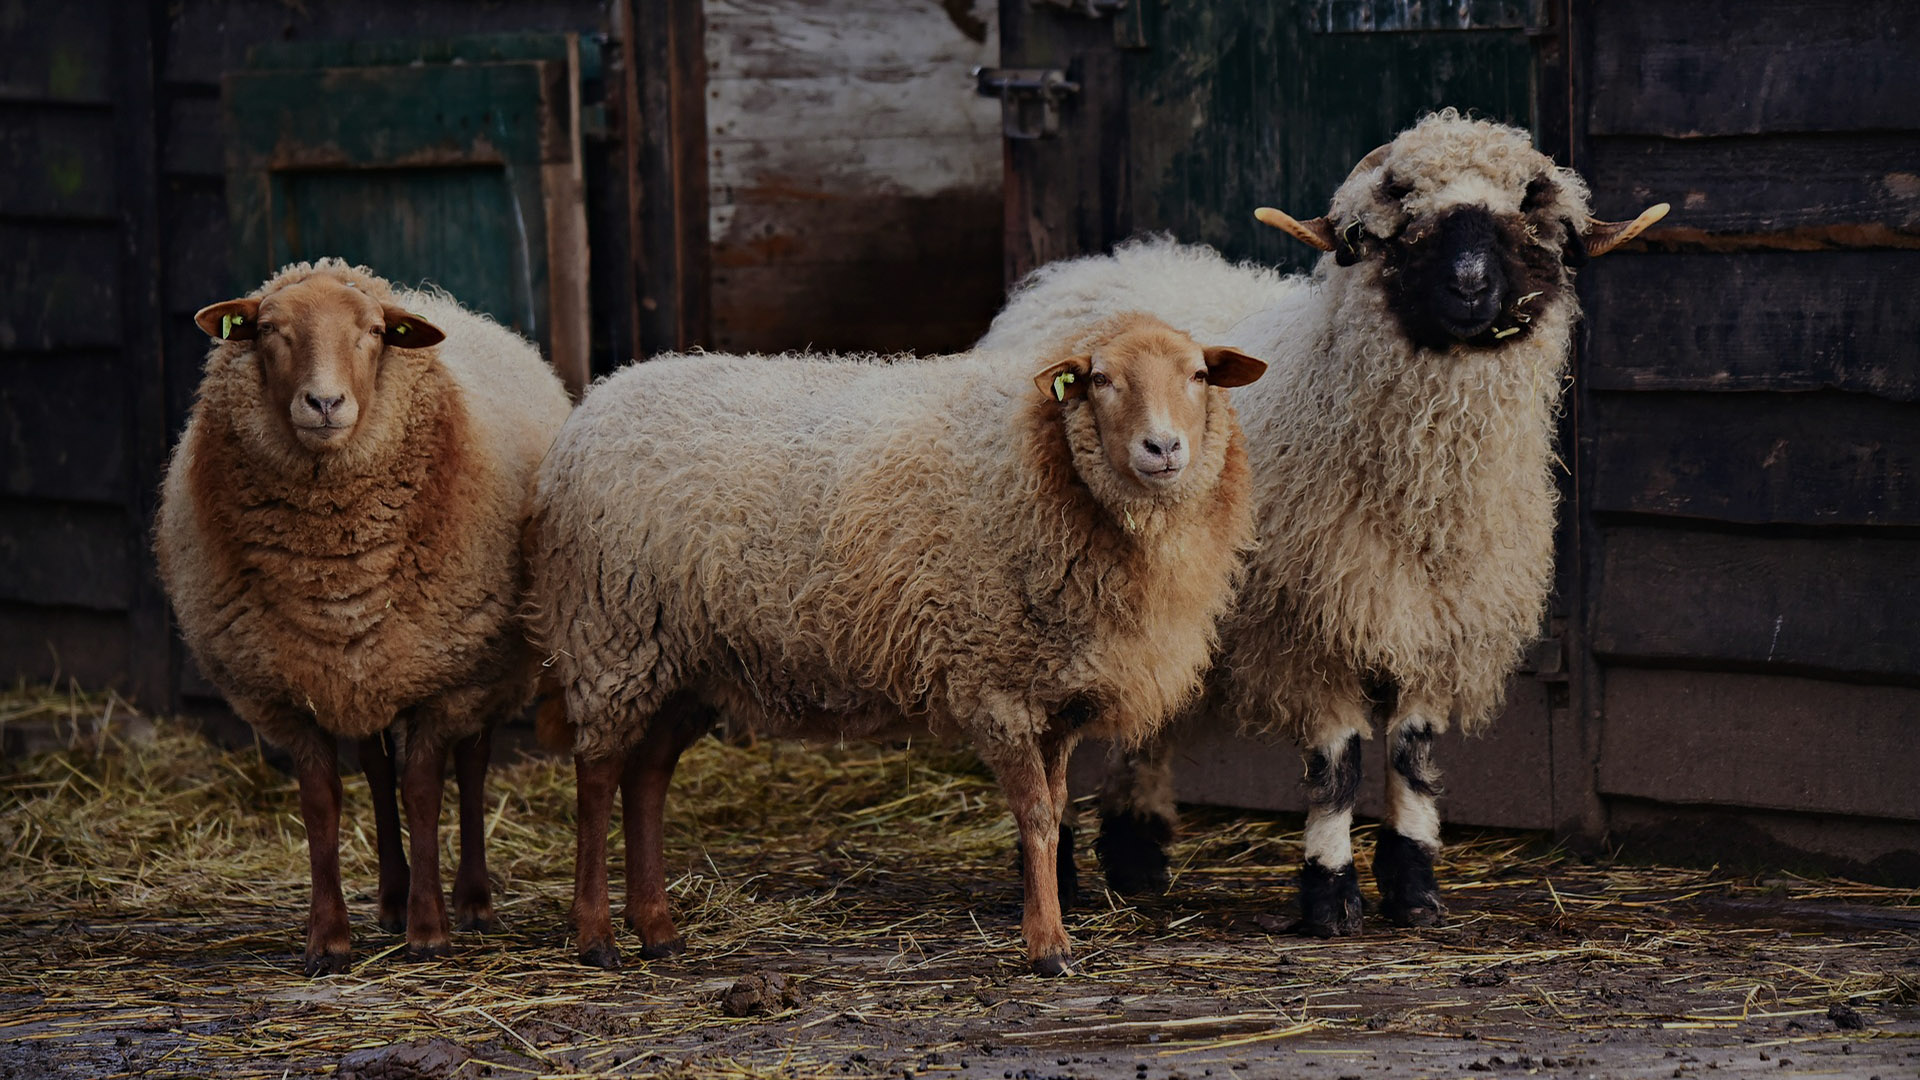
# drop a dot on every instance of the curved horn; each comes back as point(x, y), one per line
point(1372, 161)
point(1604, 236)
point(1316, 233)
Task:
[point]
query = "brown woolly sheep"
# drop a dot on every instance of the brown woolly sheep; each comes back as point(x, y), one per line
point(339, 532)
point(1402, 451)
point(819, 546)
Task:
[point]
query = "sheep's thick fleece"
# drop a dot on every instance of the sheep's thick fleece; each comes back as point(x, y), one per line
point(830, 545)
point(328, 593)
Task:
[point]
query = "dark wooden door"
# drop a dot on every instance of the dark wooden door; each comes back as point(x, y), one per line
point(455, 163)
point(1184, 118)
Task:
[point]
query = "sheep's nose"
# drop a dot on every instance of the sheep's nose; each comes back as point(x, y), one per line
point(1472, 276)
point(1162, 445)
point(325, 406)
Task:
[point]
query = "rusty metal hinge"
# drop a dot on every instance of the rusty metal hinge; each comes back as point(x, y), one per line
point(1029, 98)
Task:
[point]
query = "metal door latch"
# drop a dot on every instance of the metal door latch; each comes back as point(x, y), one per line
point(1029, 98)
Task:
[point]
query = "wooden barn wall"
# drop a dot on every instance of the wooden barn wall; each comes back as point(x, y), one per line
point(1749, 426)
point(854, 174)
point(80, 423)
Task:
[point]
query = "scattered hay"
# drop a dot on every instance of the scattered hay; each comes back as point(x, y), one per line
point(153, 887)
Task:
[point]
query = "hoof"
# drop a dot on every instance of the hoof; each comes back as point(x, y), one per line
point(1329, 901)
point(1055, 966)
point(1408, 894)
point(432, 950)
point(393, 923)
point(673, 946)
point(1425, 914)
point(601, 955)
point(1133, 853)
point(477, 922)
point(328, 963)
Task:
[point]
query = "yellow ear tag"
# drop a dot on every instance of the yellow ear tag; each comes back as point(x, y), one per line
point(226, 325)
point(401, 329)
point(1060, 382)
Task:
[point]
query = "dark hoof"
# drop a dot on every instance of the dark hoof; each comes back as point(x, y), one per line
point(601, 955)
point(1055, 966)
point(1066, 874)
point(478, 922)
point(663, 949)
point(433, 950)
point(330, 963)
point(1329, 901)
point(1133, 852)
point(394, 922)
point(1404, 870)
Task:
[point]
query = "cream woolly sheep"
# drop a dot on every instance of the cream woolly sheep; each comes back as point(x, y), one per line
point(814, 546)
point(1402, 451)
point(339, 532)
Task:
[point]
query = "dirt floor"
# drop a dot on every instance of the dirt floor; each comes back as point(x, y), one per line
point(854, 912)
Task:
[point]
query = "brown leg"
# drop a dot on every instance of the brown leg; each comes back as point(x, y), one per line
point(329, 947)
point(472, 892)
point(1025, 777)
point(595, 783)
point(643, 796)
point(426, 906)
point(1066, 875)
point(376, 761)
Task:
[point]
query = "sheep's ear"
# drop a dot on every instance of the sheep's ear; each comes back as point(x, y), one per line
point(230, 320)
point(1066, 379)
point(1231, 367)
point(1604, 236)
point(1318, 232)
point(409, 331)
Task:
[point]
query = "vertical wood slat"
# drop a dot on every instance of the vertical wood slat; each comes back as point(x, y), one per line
point(667, 71)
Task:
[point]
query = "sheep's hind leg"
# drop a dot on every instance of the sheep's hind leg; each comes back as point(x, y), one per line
point(595, 783)
point(643, 800)
point(472, 891)
point(421, 779)
point(1027, 776)
point(1137, 820)
point(329, 945)
point(1329, 888)
point(376, 760)
point(1410, 835)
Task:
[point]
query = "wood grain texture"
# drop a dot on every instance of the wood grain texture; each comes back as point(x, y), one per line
point(57, 52)
point(60, 162)
point(1774, 743)
point(54, 644)
point(64, 421)
point(781, 39)
point(1841, 605)
point(1801, 459)
point(1766, 184)
point(66, 554)
point(1837, 320)
point(1747, 67)
point(59, 285)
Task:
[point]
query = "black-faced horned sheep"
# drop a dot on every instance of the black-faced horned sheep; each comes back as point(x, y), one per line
point(340, 534)
point(819, 546)
point(1402, 449)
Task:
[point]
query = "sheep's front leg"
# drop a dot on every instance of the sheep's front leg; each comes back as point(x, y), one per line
point(376, 760)
point(421, 779)
point(472, 890)
point(595, 783)
point(1137, 819)
point(329, 946)
point(1026, 777)
point(1329, 888)
point(643, 800)
point(1410, 835)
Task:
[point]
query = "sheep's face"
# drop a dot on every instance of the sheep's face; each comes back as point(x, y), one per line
point(319, 344)
point(1147, 385)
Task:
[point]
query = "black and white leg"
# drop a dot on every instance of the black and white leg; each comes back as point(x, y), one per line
point(1137, 819)
point(1329, 888)
point(1410, 835)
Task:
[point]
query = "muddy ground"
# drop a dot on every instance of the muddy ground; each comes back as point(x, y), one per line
point(854, 913)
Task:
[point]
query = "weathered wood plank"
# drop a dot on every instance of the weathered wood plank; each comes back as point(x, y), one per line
point(1793, 604)
point(786, 40)
point(194, 144)
point(955, 227)
point(782, 168)
point(938, 104)
point(1748, 67)
point(60, 162)
point(870, 305)
point(669, 169)
point(59, 286)
point(70, 554)
point(1819, 191)
point(54, 644)
point(1775, 743)
point(56, 52)
point(1763, 842)
point(1803, 459)
point(1839, 320)
point(64, 421)
point(194, 221)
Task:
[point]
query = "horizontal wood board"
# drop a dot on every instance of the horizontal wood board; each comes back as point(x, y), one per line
point(60, 162)
point(68, 554)
point(63, 419)
point(59, 285)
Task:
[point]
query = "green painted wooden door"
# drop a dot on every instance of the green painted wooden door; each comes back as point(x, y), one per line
point(1189, 115)
point(453, 163)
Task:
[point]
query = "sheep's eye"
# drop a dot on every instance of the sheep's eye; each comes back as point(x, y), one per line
point(264, 328)
point(1200, 376)
point(1393, 190)
point(1099, 378)
point(376, 331)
